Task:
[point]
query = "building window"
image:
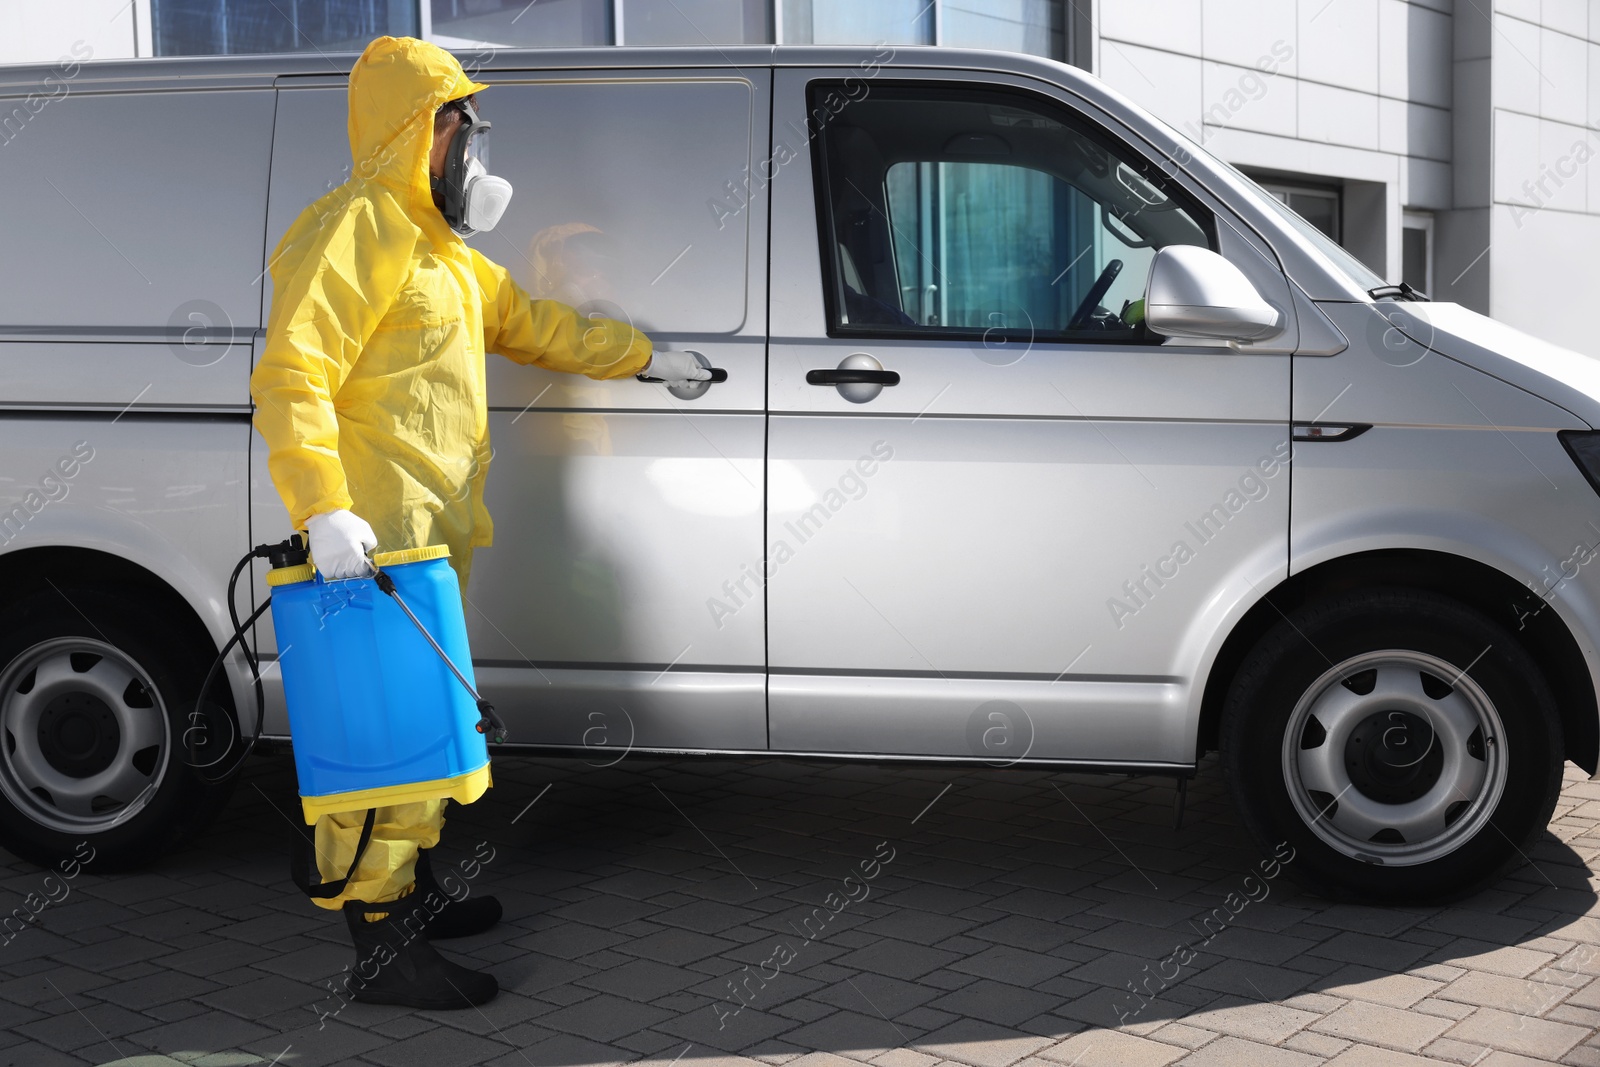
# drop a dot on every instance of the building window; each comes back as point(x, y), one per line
point(1416, 251)
point(1317, 205)
point(696, 22)
point(1034, 26)
point(232, 27)
point(519, 24)
point(853, 22)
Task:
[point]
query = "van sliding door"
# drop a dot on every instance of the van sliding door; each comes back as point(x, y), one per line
point(621, 511)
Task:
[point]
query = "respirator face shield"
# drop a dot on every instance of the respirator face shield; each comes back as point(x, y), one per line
point(474, 199)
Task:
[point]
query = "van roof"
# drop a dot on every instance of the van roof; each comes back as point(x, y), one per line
point(242, 70)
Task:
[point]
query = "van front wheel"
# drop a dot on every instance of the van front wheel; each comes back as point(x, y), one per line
point(1404, 746)
point(93, 768)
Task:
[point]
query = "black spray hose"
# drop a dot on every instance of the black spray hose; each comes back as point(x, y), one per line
point(489, 721)
point(276, 552)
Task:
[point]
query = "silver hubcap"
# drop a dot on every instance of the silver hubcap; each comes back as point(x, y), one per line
point(1394, 757)
point(83, 735)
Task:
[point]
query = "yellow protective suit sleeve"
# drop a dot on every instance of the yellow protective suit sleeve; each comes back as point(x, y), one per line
point(551, 334)
point(339, 275)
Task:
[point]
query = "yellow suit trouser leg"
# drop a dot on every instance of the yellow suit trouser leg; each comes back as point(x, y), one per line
point(388, 866)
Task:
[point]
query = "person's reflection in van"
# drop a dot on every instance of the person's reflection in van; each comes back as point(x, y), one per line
point(573, 262)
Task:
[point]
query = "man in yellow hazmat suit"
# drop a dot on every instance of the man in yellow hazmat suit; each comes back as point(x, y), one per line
point(370, 396)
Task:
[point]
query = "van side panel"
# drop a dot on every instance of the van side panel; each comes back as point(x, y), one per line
point(136, 251)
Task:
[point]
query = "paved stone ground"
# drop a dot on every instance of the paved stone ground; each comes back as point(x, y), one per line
point(669, 911)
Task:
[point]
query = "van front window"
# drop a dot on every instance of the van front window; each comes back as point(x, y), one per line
point(965, 212)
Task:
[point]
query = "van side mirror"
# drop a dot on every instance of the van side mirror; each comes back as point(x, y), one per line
point(1193, 292)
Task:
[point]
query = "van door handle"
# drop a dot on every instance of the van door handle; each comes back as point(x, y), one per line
point(717, 375)
point(691, 390)
point(852, 376)
point(859, 377)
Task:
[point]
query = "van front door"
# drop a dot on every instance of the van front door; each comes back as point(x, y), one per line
point(1004, 520)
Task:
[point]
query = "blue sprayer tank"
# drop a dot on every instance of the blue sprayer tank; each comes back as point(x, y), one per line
point(375, 715)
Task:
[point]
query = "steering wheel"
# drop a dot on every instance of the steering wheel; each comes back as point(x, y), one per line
point(1096, 293)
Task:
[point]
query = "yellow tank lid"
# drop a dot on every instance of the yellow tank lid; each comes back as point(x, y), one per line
point(300, 572)
point(410, 555)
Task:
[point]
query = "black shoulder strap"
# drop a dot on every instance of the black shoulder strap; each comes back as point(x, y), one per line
point(302, 859)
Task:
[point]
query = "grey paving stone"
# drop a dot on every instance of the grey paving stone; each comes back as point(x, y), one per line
point(715, 1027)
point(897, 959)
point(677, 946)
point(84, 1025)
point(322, 1045)
point(1539, 1038)
point(641, 980)
point(995, 1002)
point(267, 994)
point(876, 994)
point(562, 995)
point(912, 925)
point(212, 1031)
point(1383, 1025)
point(49, 985)
point(604, 910)
point(438, 1048)
point(164, 987)
point(604, 1018)
point(401, 1027)
point(532, 972)
point(33, 1054)
point(1521, 995)
point(568, 940)
point(1245, 979)
point(314, 963)
point(1365, 919)
point(708, 916)
point(215, 958)
point(1027, 932)
point(1371, 951)
point(1038, 904)
point(981, 1044)
point(1234, 1052)
point(1014, 965)
point(109, 953)
point(860, 1035)
point(176, 1011)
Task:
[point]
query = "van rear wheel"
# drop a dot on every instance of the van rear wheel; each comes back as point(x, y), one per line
point(94, 702)
point(1406, 747)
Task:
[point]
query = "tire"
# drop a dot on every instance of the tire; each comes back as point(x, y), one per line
point(95, 699)
point(1404, 746)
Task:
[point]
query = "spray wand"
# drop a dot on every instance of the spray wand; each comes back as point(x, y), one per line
point(489, 721)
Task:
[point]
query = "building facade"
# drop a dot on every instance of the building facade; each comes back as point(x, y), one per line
point(1448, 143)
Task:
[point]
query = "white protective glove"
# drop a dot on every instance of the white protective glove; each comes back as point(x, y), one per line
point(340, 541)
point(674, 368)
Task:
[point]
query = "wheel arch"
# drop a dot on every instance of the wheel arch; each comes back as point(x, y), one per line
point(1543, 635)
point(30, 570)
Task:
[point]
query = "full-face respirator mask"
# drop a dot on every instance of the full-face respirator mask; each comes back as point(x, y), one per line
point(473, 199)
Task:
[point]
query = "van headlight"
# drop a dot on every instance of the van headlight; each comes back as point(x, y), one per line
point(1584, 448)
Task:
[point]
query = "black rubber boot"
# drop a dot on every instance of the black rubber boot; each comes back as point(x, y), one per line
point(472, 914)
point(396, 965)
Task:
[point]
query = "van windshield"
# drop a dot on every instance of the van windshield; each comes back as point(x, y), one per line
point(1358, 272)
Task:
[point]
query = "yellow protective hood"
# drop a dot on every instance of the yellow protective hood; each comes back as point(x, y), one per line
point(395, 88)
